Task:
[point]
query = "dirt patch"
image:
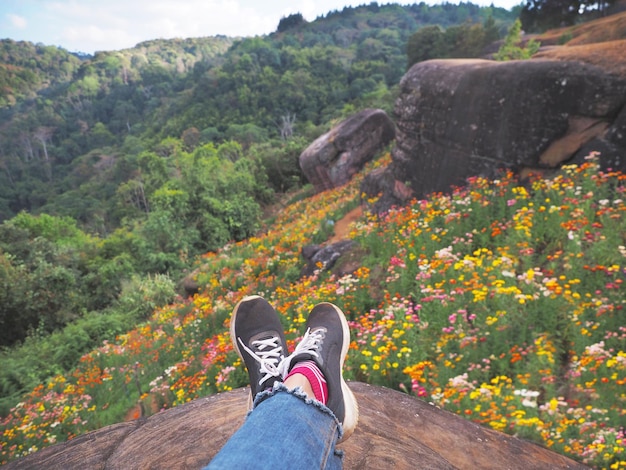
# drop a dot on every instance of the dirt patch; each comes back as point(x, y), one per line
point(153, 403)
point(607, 55)
point(600, 42)
point(609, 28)
point(342, 227)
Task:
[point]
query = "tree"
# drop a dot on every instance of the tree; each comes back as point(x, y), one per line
point(512, 50)
point(231, 150)
point(491, 30)
point(190, 138)
point(100, 136)
point(43, 263)
point(427, 43)
point(287, 122)
point(458, 41)
point(539, 15)
point(289, 22)
point(133, 194)
point(27, 146)
point(464, 40)
point(246, 134)
point(15, 315)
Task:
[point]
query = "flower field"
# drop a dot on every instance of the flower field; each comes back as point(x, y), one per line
point(500, 302)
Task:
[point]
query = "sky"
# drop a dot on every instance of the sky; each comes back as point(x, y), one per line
point(106, 25)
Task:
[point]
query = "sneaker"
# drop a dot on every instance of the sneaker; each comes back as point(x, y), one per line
point(259, 339)
point(326, 342)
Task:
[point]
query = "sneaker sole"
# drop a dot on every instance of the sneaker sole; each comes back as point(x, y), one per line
point(236, 343)
point(350, 404)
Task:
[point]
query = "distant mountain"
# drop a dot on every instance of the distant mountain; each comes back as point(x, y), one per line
point(27, 68)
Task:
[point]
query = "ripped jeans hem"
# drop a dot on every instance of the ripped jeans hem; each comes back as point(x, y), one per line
point(297, 392)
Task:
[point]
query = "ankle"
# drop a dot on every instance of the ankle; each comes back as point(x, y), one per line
point(299, 380)
point(313, 378)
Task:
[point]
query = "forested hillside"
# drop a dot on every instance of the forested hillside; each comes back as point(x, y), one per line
point(64, 120)
point(26, 69)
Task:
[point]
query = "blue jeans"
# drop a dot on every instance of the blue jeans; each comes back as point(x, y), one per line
point(284, 430)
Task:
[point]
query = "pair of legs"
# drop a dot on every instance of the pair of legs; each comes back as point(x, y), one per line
point(301, 406)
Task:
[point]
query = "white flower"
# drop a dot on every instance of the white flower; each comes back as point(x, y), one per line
point(596, 349)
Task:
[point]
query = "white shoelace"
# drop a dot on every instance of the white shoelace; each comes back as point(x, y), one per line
point(308, 345)
point(269, 356)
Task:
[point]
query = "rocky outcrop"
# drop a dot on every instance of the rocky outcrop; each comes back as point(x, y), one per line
point(333, 158)
point(323, 258)
point(394, 431)
point(189, 285)
point(460, 118)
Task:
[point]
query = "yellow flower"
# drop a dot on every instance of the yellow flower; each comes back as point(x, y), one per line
point(553, 404)
point(498, 425)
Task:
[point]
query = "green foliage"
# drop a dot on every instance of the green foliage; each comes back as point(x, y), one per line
point(539, 15)
point(457, 41)
point(15, 316)
point(280, 160)
point(27, 67)
point(42, 356)
point(44, 259)
point(61, 230)
point(427, 43)
point(192, 202)
point(565, 38)
point(290, 22)
point(512, 48)
point(140, 296)
point(245, 134)
point(51, 272)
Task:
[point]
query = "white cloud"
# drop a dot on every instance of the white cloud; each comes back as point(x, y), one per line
point(17, 21)
point(119, 24)
point(91, 25)
point(92, 37)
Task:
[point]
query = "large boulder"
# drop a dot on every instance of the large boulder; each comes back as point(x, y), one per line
point(394, 431)
point(461, 118)
point(333, 158)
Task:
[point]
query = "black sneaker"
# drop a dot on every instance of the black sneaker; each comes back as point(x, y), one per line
point(326, 342)
point(259, 339)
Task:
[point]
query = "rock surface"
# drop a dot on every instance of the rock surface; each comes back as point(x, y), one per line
point(395, 431)
point(461, 118)
point(323, 258)
point(333, 158)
